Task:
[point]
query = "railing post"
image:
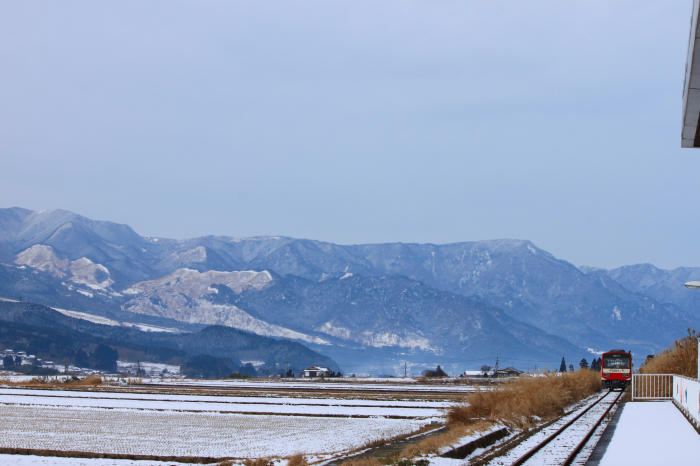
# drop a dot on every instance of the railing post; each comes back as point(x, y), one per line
point(632, 387)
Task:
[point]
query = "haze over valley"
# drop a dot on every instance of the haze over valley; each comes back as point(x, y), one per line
point(367, 308)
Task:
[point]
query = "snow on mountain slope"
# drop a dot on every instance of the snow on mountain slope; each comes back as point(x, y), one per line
point(81, 271)
point(42, 257)
point(641, 308)
point(665, 286)
point(95, 319)
point(379, 339)
point(196, 284)
point(86, 272)
point(183, 294)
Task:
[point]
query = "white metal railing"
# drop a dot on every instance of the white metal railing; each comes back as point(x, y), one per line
point(652, 386)
point(686, 395)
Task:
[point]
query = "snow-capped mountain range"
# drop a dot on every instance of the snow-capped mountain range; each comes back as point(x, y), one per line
point(367, 306)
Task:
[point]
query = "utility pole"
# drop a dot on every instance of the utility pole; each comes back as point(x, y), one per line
point(404, 369)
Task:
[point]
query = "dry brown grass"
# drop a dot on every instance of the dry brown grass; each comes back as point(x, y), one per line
point(48, 382)
point(259, 462)
point(36, 381)
point(524, 401)
point(90, 380)
point(433, 443)
point(681, 358)
point(297, 460)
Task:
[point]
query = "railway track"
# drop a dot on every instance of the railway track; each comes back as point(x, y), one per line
point(565, 442)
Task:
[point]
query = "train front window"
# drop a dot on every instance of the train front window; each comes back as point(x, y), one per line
point(616, 363)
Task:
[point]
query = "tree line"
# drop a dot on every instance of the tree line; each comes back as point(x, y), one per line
point(583, 364)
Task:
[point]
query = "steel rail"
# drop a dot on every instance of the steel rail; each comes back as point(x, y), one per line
point(554, 435)
point(572, 456)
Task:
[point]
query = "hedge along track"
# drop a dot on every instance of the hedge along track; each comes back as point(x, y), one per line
point(511, 452)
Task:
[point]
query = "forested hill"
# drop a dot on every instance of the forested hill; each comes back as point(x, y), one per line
point(42, 331)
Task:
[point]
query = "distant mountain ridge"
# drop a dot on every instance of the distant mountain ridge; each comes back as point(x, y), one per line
point(662, 285)
point(555, 306)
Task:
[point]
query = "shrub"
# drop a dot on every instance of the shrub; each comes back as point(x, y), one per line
point(90, 380)
point(438, 372)
point(297, 460)
point(526, 400)
point(681, 358)
point(259, 462)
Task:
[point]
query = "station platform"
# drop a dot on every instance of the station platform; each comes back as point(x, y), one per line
point(647, 433)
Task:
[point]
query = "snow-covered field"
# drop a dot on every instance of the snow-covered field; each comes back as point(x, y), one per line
point(32, 460)
point(206, 404)
point(166, 433)
point(243, 400)
point(202, 426)
point(318, 385)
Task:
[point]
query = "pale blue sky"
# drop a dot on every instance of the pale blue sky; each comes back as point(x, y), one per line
point(356, 121)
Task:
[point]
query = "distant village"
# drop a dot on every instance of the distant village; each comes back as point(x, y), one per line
point(21, 362)
point(11, 360)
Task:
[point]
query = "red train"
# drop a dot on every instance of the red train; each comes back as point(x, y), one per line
point(616, 369)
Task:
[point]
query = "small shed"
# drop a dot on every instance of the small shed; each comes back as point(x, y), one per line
point(316, 371)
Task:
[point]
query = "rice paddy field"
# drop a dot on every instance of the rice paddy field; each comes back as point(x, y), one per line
point(177, 424)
